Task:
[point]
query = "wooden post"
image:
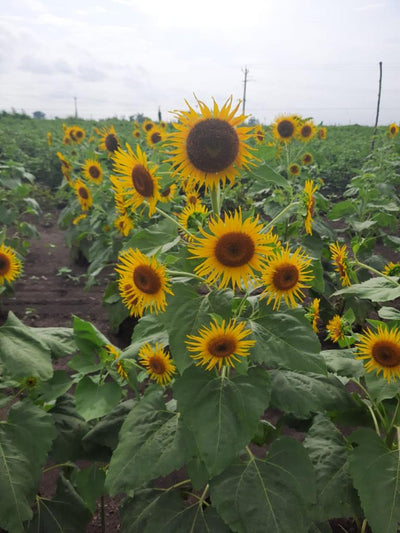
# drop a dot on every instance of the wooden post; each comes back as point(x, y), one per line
point(244, 90)
point(377, 107)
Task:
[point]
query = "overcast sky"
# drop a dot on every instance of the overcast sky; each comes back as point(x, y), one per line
point(317, 58)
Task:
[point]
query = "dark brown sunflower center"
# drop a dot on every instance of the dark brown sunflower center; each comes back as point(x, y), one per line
point(386, 353)
point(392, 129)
point(307, 159)
point(146, 280)
point(306, 131)
point(79, 134)
point(83, 193)
point(234, 249)
point(285, 129)
point(212, 145)
point(155, 137)
point(142, 181)
point(192, 199)
point(294, 169)
point(157, 364)
point(286, 277)
point(111, 142)
point(222, 346)
point(165, 192)
point(94, 171)
point(148, 126)
point(5, 264)
point(260, 135)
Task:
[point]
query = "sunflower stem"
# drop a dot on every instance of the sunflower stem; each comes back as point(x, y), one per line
point(364, 526)
point(172, 219)
point(215, 195)
point(184, 274)
point(279, 215)
point(374, 271)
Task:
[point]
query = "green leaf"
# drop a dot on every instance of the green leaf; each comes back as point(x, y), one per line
point(379, 389)
point(23, 354)
point(25, 440)
point(343, 363)
point(287, 340)
point(264, 175)
point(65, 513)
point(304, 394)
point(271, 495)
point(94, 400)
point(389, 313)
point(187, 314)
point(87, 336)
point(342, 209)
point(149, 329)
point(89, 483)
point(58, 385)
point(327, 449)
point(151, 511)
point(374, 289)
point(159, 238)
point(222, 413)
point(152, 443)
point(376, 473)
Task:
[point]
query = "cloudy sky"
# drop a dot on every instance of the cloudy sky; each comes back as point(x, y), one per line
point(317, 58)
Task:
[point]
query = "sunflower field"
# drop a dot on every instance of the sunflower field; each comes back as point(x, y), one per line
point(260, 269)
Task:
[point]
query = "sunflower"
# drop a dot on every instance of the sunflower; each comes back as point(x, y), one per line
point(192, 196)
point(168, 193)
point(306, 131)
point(148, 125)
point(155, 136)
point(192, 218)
point(284, 275)
point(339, 260)
point(336, 329)
point(142, 282)
point(307, 159)
point(233, 249)
point(294, 169)
point(220, 344)
point(10, 265)
point(284, 128)
point(83, 195)
point(66, 167)
point(383, 351)
point(137, 179)
point(112, 350)
point(313, 314)
point(322, 133)
point(124, 224)
point(393, 130)
point(48, 138)
point(76, 220)
point(137, 133)
point(158, 363)
point(109, 141)
point(309, 190)
point(77, 134)
point(259, 134)
point(392, 269)
point(209, 147)
point(92, 171)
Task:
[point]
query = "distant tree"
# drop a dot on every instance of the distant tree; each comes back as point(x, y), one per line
point(38, 114)
point(252, 121)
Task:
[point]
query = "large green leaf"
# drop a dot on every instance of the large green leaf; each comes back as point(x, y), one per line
point(25, 439)
point(336, 496)
point(379, 389)
point(87, 336)
point(265, 175)
point(222, 413)
point(149, 329)
point(286, 340)
point(151, 510)
point(376, 473)
point(152, 443)
point(187, 314)
point(159, 238)
point(89, 483)
point(94, 400)
point(304, 394)
point(65, 513)
point(343, 363)
point(274, 494)
point(374, 289)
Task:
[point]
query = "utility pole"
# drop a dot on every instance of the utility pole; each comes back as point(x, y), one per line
point(76, 107)
point(244, 89)
point(377, 107)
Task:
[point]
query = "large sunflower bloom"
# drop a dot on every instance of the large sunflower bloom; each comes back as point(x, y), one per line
point(306, 131)
point(10, 265)
point(92, 171)
point(148, 125)
point(136, 178)
point(382, 350)
point(284, 276)
point(393, 130)
point(109, 141)
point(209, 147)
point(309, 190)
point(220, 344)
point(83, 195)
point(142, 282)
point(233, 249)
point(157, 362)
point(284, 128)
point(339, 259)
point(155, 136)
